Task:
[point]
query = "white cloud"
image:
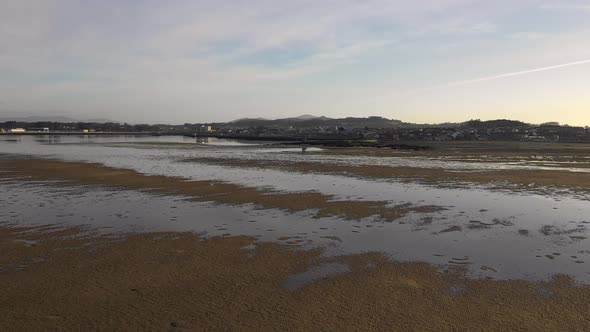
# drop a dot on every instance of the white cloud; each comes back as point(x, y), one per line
point(146, 56)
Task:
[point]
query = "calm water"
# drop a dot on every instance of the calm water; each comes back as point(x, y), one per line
point(516, 234)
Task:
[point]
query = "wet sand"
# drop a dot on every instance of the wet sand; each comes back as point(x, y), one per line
point(179, 281)
point(71, 279)
point(445, 148)
point(214, 191)
point(523, 178)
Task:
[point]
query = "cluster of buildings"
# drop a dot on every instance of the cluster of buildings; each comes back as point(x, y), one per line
point(498, 130)
point(543, 133)
point(199, 129)
point(24, 130)
point(18, 127)
point(38, 130)
point(529, 133)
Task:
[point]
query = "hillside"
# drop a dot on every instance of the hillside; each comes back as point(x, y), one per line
point(308, 121)
point(502, 123)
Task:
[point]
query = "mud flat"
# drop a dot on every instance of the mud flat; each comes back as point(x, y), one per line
point(474, 147)
point(214, 191)
point(179, 281)
point(523, 178)
point(65, 277)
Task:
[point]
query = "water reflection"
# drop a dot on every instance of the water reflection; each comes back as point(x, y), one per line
point(204, 140)
point(489, 233)
point(513, 249)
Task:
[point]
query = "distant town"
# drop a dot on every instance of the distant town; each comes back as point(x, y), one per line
point(310, 128)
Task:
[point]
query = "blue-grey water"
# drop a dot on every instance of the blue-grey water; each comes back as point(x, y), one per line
point(518, 234)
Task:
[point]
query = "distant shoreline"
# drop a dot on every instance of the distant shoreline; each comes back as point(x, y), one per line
point(317, 141)
point(79, 133)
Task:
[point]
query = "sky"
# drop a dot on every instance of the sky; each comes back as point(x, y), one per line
point(178, 61)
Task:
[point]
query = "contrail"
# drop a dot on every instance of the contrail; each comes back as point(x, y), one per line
point(412, 92)
point(495, 77)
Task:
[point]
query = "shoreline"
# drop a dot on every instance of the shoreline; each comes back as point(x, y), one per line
point(212, 191)
point(79, 133)
point(70, 278)
point(518, 178)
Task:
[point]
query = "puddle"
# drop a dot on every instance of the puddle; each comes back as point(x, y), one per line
point(457, 290)
point(28, 243)
point(503, 230)
point(326, 270)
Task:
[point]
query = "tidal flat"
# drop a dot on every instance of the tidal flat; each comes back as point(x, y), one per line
point(165, 232)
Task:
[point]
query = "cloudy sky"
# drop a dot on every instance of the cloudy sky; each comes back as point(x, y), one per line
point(213, 60)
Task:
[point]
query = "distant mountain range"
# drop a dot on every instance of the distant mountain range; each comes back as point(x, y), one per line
point(307, 120)
point(63, 119)
point(494, 124)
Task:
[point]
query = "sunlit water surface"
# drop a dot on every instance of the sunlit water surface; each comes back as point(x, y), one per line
point(499, 234)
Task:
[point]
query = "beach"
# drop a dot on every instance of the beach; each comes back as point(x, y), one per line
point(113, 235)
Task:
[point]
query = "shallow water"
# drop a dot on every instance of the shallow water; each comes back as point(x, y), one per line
point(489, 233)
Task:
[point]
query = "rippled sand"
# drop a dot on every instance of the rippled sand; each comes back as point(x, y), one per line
point(520, 178)
point(250, 238)
point(216, 191)
point(52, 280)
